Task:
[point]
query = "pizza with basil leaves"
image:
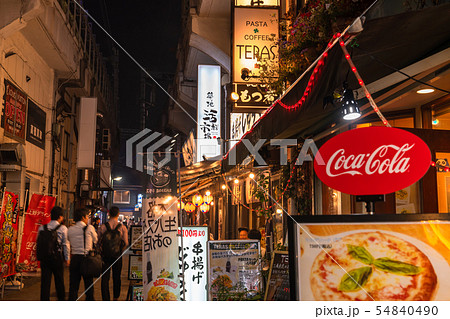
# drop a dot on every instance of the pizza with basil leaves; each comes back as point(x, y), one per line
point(372, 266)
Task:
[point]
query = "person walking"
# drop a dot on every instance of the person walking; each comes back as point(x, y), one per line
point(53, 252)
point(113, 238)
point(82, 238)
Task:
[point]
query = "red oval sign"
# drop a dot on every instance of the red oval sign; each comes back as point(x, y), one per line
point(372, 160)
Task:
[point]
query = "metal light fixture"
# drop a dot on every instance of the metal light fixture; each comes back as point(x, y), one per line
point(118, 178)
point(350, 109)
point(423, 89)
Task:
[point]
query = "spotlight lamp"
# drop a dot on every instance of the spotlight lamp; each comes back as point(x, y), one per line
point(350, 109)
point(245, 74)
point(234, 96)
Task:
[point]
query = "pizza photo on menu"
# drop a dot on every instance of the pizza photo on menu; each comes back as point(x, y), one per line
point(372, 265)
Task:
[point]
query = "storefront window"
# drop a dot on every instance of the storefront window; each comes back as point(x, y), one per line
point(441, 119)
point(443, 182)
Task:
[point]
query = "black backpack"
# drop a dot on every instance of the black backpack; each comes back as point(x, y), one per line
point(112, 244)
point(48, 248)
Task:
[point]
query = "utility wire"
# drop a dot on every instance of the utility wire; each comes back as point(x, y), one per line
point(400, 71)
point(134, 60)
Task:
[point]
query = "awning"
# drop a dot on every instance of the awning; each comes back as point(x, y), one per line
point(398, 41)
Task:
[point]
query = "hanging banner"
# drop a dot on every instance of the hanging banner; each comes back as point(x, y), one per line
point(160, 249)
point(234, 267)
point(372, 160)
point(14, 115)
point(38, 214)
point(163, 181)
point(8, 234)
point(195, 263)
point(254, 43)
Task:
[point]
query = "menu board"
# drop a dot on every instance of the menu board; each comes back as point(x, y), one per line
point(234, 267)
point(135, 267)
point(135, 238)
point(278, 282)
point(400, 257)
point(137, 293)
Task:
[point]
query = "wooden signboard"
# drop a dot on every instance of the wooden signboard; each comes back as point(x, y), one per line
point(278, 283)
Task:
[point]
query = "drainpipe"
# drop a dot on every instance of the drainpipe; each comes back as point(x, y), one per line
point(64, 84)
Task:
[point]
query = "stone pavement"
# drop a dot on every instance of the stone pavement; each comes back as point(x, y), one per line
point(32, 286)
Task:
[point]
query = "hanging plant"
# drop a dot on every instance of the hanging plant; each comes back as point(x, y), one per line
point(306, 36)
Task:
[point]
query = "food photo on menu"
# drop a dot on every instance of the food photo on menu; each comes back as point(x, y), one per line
point(375, 262)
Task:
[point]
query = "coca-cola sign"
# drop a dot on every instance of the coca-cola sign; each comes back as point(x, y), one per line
point(372, 160)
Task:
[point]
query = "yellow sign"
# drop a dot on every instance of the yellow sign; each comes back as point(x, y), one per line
point(254, 42)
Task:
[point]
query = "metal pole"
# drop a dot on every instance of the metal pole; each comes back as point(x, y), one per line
point(180, 218)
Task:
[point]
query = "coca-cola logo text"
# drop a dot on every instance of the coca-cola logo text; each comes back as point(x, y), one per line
point(377, 162)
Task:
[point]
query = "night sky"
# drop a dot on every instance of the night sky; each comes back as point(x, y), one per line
point(149, 31)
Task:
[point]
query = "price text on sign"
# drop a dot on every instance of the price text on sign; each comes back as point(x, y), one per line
point(192, 233)
point(372, 160)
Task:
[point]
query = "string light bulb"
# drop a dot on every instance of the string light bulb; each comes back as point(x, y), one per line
point(236, 181)
point(251, 175)
point(224, 187)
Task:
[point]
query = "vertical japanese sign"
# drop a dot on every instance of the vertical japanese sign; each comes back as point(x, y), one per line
point(254, 43)
point(36, 125)
point(241, 123)
point(234, 266)
point(208, 111)
point(195, 263)
point(14, 113)
point(8, 234)
point(38, 214)
point(160, 249)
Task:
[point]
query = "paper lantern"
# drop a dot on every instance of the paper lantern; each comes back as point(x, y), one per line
point(207, 199)
point(204, 208)
point(182, 205)
point(189, 207)
point(197, 200)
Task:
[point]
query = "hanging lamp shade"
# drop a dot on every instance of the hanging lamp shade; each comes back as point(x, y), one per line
point(197, 200)
point(189, 207)
point(204, 208)
point(180, 206)
point(350, 109)
point(207, 199)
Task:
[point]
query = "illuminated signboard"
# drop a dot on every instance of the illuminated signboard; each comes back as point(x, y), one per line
point(254, 42)
point(208, 111)
point(195, 263)
point(241, 123)
point(257, 3)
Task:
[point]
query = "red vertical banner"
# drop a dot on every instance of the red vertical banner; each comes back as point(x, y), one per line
point(38, 214)
point(8, 234)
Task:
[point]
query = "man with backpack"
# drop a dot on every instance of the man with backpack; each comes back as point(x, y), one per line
point(113, 238)
point(52, 249)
